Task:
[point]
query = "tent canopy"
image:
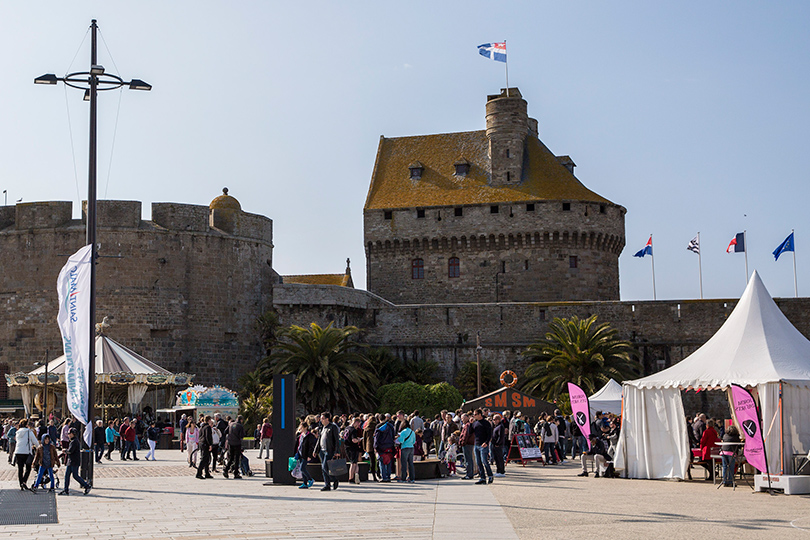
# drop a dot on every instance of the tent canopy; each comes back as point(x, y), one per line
point(607, 399)
point(757, 344)
point(510, 399)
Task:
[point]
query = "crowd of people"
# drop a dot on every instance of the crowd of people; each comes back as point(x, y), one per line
point(704, 435)
point(477, 441)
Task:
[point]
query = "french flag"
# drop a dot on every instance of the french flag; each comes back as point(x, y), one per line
point(646, 250)
point(737, 244)
point(493, 51)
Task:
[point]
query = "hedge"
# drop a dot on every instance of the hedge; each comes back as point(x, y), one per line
point(429, 399)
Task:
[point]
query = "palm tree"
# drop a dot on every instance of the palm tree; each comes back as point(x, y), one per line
point(467, 379)
point(579, 351)
point(331, 374)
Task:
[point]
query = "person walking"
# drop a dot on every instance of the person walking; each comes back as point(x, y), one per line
point(109, 435)
point(216, 438)
point(327, 449)
point(128, 436)
point(266, 438)
point(305, 449)
point(74, 460)
point(407, 440)
point(45, 460)
point(64, 440)
point(206, 442)
point(26, 444)
point(482, 436)
point(384, 445)
point(99, 437)
point(192, 443)
point(236, 432)
point(12, 441)
point(368, 444)
point(152, 438)
point(352, 441)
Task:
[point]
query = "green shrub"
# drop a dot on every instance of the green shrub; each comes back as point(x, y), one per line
point(409, 396)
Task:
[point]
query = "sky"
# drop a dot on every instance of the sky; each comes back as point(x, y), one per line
point(692, 115)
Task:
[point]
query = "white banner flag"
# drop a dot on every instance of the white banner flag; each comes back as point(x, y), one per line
point(73, 286)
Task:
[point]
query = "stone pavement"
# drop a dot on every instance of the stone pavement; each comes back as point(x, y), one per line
point(134, 504)
point(163, 500)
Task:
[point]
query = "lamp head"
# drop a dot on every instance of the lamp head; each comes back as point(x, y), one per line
point(137, 84)
point(48, 78)
point(96, 69)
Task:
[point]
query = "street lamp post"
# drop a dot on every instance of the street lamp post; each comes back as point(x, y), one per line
point(45, 397)
point(92, 82)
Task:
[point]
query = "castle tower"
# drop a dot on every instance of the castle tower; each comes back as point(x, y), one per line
point(507, 129)
point(487, 216)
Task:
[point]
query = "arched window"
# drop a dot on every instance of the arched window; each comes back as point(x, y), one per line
point(453, 267)
point(418, 269)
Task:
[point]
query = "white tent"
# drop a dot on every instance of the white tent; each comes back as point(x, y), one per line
point(607, 399)
point(757, 347)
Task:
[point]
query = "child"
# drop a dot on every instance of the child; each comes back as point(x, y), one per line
point(45, 460)
point(450, 455)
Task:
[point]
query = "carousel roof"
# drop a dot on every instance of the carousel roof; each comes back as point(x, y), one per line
point(115, 364)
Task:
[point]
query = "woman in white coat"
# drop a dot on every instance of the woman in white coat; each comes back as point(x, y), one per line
point(24, 452)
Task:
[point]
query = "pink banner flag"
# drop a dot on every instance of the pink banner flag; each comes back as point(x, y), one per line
point(748, 417)
point(580, 410)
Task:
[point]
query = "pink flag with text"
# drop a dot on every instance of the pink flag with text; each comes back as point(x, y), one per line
point(748, 417)
point(581, 410)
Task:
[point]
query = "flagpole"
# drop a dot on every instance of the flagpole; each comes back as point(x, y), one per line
point(795, 283)
point(745, 245)
point(652, 262)
point(506, 64)
point(700, 266)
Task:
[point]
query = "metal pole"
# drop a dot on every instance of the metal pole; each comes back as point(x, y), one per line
point(506, 65)
point(478, 359)
point(46, 387)
point(745, 245)
point(652, 262)
point(700, 267)
point(91, 239)
point(795, 283)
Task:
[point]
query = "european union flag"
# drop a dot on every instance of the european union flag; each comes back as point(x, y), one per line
point(787, 245)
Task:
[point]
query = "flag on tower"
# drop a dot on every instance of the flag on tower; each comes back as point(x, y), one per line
point(737, 244)
point(493, 51)
point(787, 245)
point(694, 245)
point(646, 250)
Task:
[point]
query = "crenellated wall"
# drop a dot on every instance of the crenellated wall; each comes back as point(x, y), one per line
point(177, 291)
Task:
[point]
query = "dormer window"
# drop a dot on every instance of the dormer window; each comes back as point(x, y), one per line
point(462, 167)
point(416, 170)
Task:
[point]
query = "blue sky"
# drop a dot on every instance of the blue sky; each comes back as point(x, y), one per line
point(692, 115)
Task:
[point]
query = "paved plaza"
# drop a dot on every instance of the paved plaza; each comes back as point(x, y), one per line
point(163, 500)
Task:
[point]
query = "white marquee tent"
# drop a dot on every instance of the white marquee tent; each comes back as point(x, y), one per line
point(607, 399)
point(757, 347)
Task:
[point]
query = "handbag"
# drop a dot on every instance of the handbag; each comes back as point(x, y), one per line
point(296, 472)
point(337, 467)
point(292, 463)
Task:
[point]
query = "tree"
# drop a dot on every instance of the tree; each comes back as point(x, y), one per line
point(467, 379)
point(257, 406)
point(578, 351)
point(268, 325)
point(331, 374)
point(428, 399)
point(391, 369)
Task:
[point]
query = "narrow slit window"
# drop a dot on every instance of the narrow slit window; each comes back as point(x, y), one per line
point(572, 261)
point(453, 267)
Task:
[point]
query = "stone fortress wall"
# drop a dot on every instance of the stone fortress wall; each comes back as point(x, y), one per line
point(178, 290)
point(664, 331)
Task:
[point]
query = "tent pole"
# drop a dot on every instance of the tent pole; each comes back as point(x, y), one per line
point(781, 433)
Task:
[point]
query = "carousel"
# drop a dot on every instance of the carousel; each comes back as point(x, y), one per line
point(126, 383)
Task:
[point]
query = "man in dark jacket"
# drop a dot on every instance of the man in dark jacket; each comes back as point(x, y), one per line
point(98, 440)
point(482, 436)
point(384, 437)
point(498, 443)
point(598, 454)
point(236, 432)
point(467, 444)
point(327, 448)
point(74, 461)
point(206, 445)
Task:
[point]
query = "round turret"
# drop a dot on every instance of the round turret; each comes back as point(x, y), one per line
point(507, 128)
point(225, 202)
point(225, 211)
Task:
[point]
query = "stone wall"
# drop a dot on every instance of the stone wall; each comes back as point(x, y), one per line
point(177, 292)
point(516, 254)
point(665, 332)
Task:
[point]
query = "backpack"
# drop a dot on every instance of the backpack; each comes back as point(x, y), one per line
point(610, 471)
point(547, 429)
point(519, 426)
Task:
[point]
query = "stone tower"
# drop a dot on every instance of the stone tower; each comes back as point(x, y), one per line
point(487, 216)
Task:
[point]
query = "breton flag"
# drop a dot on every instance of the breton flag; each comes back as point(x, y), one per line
point(73, 286)
point(787, 245)
point(646, 250)
point(493, 51)
point(737, 244)
point(694, 245)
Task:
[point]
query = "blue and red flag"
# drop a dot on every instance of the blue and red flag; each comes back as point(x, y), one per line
point(646, 250)
point(737, 243)
point(493, 51)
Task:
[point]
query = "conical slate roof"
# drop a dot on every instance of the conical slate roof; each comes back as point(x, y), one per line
point(756, 344)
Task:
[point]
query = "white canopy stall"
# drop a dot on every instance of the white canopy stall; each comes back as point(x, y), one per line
point(607, 399)
point(758, 348)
